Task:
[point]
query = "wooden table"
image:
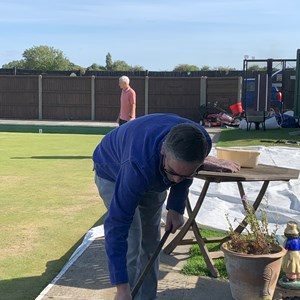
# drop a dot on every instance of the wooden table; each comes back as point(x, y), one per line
point(263, 173)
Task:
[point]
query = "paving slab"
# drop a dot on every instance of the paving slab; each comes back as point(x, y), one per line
point(87, 278)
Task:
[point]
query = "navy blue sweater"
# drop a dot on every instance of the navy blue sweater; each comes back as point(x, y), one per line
point(130, 156)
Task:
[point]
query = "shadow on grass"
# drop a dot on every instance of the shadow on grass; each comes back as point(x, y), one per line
point(53, 157)
point(29, 288)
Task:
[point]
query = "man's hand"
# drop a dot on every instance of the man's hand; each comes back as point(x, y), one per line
point(174, 220)
point(123, 292)
point(214, 164)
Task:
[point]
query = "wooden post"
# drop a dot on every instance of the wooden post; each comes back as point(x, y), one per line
point(146, 95)
point(239, 89)
point(93, 98)
point(40, 96)
point(203, 90)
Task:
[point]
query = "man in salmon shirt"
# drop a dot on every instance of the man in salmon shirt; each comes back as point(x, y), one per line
point(127, 101)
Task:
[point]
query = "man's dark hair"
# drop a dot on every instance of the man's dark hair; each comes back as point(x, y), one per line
point(186, 142)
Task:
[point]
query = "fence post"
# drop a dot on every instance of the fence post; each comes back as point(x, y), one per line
point(93, 98)
point(40, 95)
point(203, 80)
point(146, 95)
point(239, 89)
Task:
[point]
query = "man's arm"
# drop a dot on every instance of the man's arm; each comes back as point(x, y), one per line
point(130, 186)
point(176, 205)
point(177, 196)
point(132, 110)
point(132, 104)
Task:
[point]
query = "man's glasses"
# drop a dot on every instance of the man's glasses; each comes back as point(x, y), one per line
point(172, 173)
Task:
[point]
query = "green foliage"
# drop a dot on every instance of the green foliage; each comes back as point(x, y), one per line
point(256, 68)
point(18, 64)
point(121, 65)
point(45, 58)
point(137, 68)
point(257, 239)
point(196, 266)
point(109, 61)
point(42, 58)
point(96, 67)
point(185, 68)
point(225, 69)
point(205, 68)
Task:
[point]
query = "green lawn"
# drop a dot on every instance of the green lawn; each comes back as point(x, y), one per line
point(48, 202)
point(238, 137)
point(196, 264)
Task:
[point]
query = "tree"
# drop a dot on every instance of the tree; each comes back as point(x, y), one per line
point(185, 68)
point(18, 64)
point(225, 69)
point(257, 68)
point(121, 65)
point(96, 67)
point(205, 68)
point(45, 58)
point(137, 68)
point(109, 61)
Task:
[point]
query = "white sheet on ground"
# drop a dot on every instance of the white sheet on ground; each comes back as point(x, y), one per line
point(283, 198)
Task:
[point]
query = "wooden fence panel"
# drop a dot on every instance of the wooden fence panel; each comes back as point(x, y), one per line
point(223, 91)
point(180, 96)
point(138, 84)
point(19, 97)
point(107, 97)
point(67, 98)
point(288, 89)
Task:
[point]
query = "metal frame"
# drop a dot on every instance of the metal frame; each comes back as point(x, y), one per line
point(269, 63)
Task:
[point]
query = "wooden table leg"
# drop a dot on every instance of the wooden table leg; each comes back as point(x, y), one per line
point(181, 234)
point(256, 203)
point(192, 223)
point(201, 243)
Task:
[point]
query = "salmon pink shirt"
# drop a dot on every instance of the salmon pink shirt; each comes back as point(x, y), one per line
point(128, 98)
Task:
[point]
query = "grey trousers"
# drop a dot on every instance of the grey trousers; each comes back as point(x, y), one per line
point(143, 238)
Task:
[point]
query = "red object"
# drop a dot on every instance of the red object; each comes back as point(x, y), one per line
point(213, 120)
point(236, 108)
point(279, 96)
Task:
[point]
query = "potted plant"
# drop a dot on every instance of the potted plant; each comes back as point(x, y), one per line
point(253, 260)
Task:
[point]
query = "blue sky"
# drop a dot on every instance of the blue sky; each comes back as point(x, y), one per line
point(157, 34)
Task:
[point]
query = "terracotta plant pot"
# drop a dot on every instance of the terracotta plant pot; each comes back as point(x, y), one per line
point(253, 276)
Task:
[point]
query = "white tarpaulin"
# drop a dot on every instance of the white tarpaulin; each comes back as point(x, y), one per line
point(283, 198)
